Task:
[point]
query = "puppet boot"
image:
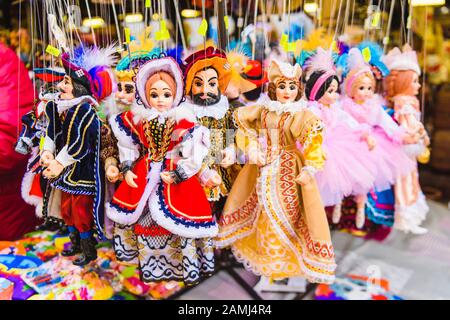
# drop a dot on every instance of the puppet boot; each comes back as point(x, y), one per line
point(89, 252)
point(76, 247)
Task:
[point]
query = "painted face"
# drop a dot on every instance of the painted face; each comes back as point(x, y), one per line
point(287, 91)
point(331, 95)
point(415, 86)
point(364, 90)
point(66, 88)
point(125, 93)
point(205, 87)
point(160, 96)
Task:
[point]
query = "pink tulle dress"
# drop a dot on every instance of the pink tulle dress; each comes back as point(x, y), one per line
point(391, 159)
point(349, 167)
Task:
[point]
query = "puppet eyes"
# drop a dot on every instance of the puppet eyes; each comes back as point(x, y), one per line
point(154, 95)
point(198, 84)
point(167, 95)
point(292, 87)
point(282, 86)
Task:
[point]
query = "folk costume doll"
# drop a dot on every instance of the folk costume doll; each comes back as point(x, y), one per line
point(71, 149)
point(207, 74)
point(274, 219)
point(349, 169)
point(402, 86)
point(366, 107)
point(34, 126)
point(161, 151)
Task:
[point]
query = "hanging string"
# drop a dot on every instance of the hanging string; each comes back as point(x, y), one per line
point(338, 19)
point(422, 114)
point(119, 34)
point(388, 30)
point(255, 31)
point(18, 125)
point(180, 25)
point(90, 17)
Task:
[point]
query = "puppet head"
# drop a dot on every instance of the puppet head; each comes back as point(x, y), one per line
point(284, 82)
point(405, 72)
point(207, 74)
point(322, 83)
point(159, 84)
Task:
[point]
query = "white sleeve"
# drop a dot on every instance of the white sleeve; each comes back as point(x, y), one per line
point(64, 158)
point(194, 149)
point(392, 129)
point(128, 150)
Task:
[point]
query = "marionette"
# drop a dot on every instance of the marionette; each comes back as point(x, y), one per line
point(273, 218)
point(207, 74)
point(34, 125)
point(161, 151)
point(349, 169)
point(366, 107)
point(401, 87)
point(72, 146)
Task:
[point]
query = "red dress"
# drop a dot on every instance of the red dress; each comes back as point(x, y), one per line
point(171, 224)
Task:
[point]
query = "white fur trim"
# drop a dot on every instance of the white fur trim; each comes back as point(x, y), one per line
point(111, 107)
point(179, 113)
point(131, 218)
point(216, 111)
point(151, 67)
point(278, 107)
point(36, 201)
point(64, 105)
point(178, 229)
point(65, 158)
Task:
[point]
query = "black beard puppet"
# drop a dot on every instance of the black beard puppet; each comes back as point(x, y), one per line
point(212, 99)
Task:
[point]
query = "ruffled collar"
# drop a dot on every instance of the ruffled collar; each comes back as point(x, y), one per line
point(278, 107)
point(64, 105)
point(140, 112)
point(216, 111)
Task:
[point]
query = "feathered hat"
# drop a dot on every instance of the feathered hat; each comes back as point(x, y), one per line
point(166, 64)
point(210, 57)
point(90, 67)
point(49, 75)
point(376, 56)
point(141, 48)
point(321, 61)
point(398, 60)
point(255, 73)
point(355, 66)
point(238, 66)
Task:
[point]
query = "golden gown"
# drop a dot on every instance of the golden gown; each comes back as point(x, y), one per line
point(275, 227)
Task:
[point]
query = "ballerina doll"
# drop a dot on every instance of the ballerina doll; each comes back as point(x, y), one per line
point(349, 169)
point(402, 86)
point(361, 102)
point(273, 218)
point(161, 151)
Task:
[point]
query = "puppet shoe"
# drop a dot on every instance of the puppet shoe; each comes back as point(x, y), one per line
point(88, 254)
point(76, 246)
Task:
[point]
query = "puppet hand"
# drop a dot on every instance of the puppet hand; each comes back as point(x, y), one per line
point(214, 181)
point(54, 169)
point(46, 157)
point(167, 177)
point(112, 173)
point(256, 157)
point(129, 178)
point(371, 142)
point(227, 159)
point(303, 178)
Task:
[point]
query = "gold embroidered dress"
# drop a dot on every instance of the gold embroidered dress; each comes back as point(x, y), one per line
point(276, 227)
